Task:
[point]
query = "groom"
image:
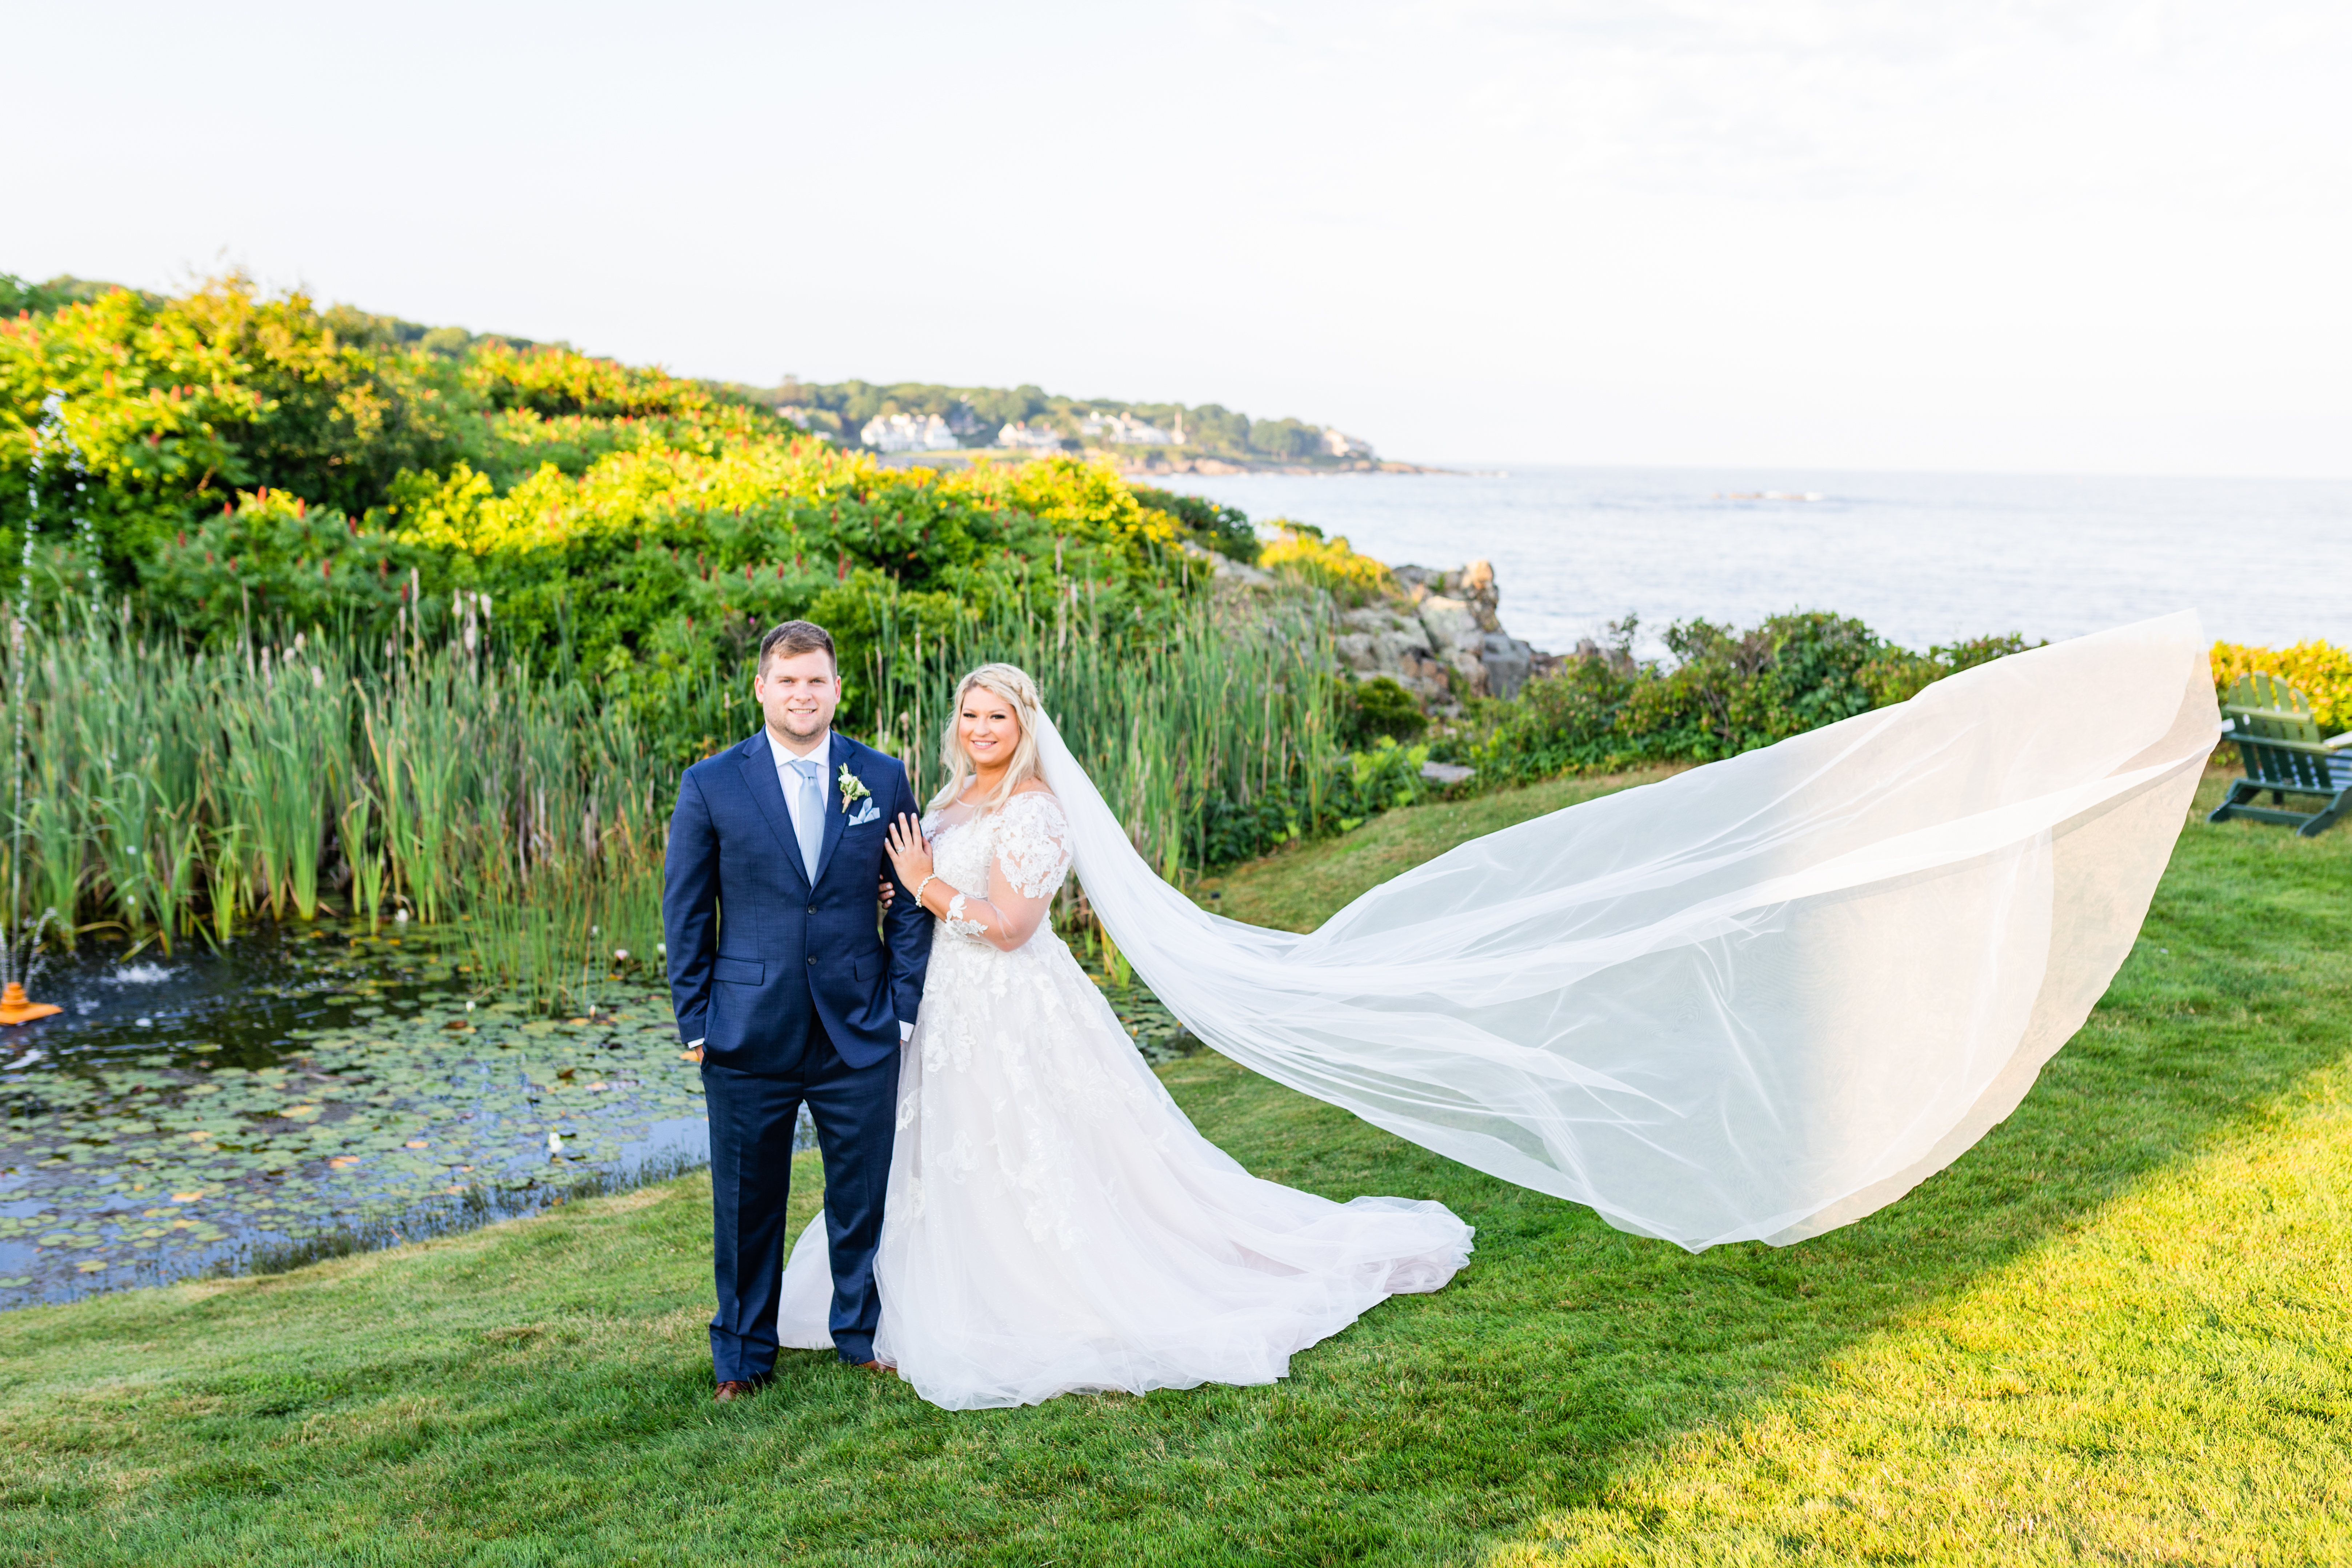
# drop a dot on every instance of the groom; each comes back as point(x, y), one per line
point(780, 974)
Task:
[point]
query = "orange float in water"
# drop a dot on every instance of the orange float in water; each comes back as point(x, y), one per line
point(14, 1008)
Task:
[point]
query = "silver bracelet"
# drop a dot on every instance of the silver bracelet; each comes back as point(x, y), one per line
point(926, 882)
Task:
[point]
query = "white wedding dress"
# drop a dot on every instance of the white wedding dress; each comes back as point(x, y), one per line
point(1757, 1001)
point(1053, 1222)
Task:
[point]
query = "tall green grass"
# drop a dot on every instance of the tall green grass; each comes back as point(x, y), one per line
point(170, 795)
point(168, 791)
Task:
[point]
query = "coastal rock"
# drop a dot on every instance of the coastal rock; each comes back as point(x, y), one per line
point(1457, 639)
point(1380, 639)
point(1509, 663)
point(1441, 638)
point(1462, 650)
point(1472, 585)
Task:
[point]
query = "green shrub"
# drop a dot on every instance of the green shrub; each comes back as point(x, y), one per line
point(2321, 671)
point(1223, 529)
point(270, 558)
point(1725, 691)
point(1379, 707)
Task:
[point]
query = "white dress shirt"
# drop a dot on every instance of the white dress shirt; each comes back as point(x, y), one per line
point(791, 782)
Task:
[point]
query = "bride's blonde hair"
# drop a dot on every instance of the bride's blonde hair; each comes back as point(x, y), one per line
point(1012, 683)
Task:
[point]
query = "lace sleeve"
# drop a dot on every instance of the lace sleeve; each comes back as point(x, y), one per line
point(1032, 844)
point(1026, 863)
point(957, 923)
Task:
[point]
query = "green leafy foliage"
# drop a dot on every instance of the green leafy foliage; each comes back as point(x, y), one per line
point(1726, 691)
point(19, 296)
point(555, 381)
point(1299, 553)
point(254, 459)
point(1285, 438)
point(1379, 707)
point(1223, 529)
point(271, 557)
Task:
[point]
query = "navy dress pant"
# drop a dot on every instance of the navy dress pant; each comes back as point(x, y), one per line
point(752, 1115)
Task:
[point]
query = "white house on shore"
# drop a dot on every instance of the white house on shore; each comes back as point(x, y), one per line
point(1340, 444)
point(1035, 438)
point(908, 433)
point(1126, 431)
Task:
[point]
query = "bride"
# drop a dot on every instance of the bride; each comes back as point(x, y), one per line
point(1756, 1001)
point(1054, 1223)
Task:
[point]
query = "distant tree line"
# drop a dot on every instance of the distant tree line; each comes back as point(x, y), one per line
point(839, 410)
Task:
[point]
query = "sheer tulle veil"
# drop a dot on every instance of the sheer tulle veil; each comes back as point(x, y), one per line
point(1757, 1000)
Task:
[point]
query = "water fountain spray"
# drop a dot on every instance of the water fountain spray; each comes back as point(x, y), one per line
point(15, 1007)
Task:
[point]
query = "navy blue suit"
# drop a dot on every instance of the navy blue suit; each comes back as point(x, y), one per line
point(796, 992)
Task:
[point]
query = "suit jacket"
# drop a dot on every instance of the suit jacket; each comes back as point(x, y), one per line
point(752, 945)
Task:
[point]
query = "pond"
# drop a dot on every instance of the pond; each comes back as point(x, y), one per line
point(308, 1092)
point(317, 1089)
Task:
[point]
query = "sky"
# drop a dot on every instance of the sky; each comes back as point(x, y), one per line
point(2099, 236)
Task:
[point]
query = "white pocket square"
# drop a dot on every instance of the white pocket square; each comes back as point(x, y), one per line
point(866, 813)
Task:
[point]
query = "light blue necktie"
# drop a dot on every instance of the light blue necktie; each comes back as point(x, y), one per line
point(811, 824)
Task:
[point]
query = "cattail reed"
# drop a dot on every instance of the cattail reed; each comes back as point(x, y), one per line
point(169, 795)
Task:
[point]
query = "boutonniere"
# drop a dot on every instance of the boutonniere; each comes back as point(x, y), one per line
point(852, 788)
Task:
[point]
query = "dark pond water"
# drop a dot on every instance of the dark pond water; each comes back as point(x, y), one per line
point(315, 1090)
point(311, 1089)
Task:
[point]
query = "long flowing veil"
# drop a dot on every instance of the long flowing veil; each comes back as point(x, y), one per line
point(1759, 999)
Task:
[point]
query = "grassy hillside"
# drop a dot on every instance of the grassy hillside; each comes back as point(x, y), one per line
point(2118, 1330)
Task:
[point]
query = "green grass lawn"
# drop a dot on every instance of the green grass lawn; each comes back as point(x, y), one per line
point(2118, 1331)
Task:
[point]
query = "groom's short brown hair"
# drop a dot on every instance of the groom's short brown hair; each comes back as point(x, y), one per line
point(798, 636)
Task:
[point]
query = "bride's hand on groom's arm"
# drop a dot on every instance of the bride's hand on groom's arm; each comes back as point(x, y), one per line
point(910, 855)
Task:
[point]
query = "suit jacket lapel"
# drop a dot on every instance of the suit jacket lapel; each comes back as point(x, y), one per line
point(758, 762)
point(836, 757)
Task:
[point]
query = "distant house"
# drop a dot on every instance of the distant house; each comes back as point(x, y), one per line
point(1340, 444)
point(1125, 430)
point(794, 414)
point(1035, 438)
point(908, 433)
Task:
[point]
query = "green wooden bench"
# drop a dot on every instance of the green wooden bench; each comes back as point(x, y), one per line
point(2279, 741)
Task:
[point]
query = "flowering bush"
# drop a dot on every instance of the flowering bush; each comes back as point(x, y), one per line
point(252, 457)
point(1299, 551)
point(271, 557)
point(2321, 671)
point(555, 381)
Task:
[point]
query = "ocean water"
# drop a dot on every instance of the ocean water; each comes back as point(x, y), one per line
point(1923, 558)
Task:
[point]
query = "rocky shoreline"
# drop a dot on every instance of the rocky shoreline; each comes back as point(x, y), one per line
point(1158, 467)
point(1445, 641)
point(1439, 637)
point(1151, 468)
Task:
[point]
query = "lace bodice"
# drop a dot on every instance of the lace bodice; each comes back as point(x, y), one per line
point(1053, 1222)
point(1015, 858)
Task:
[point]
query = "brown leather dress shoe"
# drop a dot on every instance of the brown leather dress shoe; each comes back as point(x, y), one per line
point(876, 1366)
point(732, 1390)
